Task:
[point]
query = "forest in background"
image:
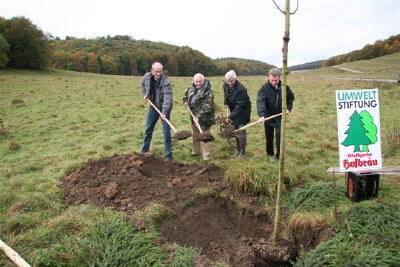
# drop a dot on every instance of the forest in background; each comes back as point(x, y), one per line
point(24, 45)
point(379, 48)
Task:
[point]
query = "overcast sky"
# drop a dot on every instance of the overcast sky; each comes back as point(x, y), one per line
point(221, 28)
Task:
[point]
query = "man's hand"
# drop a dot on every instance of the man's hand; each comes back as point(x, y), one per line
point(163, 117)
point(261, 119)
point(185, 103)
point(145, 97)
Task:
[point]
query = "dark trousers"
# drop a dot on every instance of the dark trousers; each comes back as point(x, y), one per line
point(269, 139)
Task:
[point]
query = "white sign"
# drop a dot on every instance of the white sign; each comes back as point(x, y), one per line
point(359, 130)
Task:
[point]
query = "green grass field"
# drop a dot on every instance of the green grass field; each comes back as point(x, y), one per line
point(57, 120)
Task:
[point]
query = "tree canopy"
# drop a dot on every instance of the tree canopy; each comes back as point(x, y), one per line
point(28, 46)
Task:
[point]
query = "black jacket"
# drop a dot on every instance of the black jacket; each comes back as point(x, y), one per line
point(239, 104)
point(269, 102)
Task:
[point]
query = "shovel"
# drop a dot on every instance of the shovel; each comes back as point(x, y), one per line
point(256, 122)
point(204, 137)
point(178, 135)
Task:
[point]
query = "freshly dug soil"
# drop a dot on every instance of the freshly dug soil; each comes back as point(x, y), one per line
point(219, 230)
point(181, 135)
point(204, 137)
point(266, 254)
point(226, 127)
point(129, 182)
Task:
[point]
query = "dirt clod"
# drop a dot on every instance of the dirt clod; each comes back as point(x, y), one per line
point(226, 127)
point(268, 254)
point(181, 135)
point(204, 137)
point(111, 190)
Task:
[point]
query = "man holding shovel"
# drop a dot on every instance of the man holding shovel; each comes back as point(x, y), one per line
point(200, 99)
point(269, 102)
point(238, 102)
point(156, 87)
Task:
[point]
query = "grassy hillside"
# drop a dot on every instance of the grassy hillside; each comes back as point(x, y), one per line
point(55, 121)
point(385, 67)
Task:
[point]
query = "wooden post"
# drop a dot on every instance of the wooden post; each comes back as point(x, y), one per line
point(17, 259)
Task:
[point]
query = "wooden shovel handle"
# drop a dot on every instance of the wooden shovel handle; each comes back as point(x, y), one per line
point(256, 122)
point(196, 121)
point(159, 112)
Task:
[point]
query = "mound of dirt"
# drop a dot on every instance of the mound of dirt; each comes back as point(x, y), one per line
point(216, 227)
point(129, 182)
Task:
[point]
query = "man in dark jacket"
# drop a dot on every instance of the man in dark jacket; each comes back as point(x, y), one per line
point(238, 102)
point(157, 88)
point(269, 102)
point(200, 99)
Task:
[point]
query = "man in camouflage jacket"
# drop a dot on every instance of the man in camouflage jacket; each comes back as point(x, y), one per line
point(200, 99)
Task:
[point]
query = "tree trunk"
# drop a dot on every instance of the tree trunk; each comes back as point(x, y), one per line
point(283, 131)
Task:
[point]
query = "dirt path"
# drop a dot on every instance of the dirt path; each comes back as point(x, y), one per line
point(347, 69)
point(368, 79)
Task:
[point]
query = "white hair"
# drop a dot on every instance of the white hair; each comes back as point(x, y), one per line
point(230, 75)
point(155, 64)
point(199, 75)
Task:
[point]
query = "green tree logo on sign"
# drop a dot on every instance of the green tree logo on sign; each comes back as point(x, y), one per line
point(361, 132)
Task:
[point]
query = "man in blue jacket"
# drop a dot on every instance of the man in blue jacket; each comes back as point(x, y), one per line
point(269, 102)
point(157, 88)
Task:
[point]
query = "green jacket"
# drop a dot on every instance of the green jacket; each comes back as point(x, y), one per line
point(201, 104)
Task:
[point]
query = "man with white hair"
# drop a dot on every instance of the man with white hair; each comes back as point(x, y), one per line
point(239, 104)
point(200, 99)
point(157, 88)
point(269, 102)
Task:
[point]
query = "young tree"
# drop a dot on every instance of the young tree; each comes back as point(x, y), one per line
point(286, 38)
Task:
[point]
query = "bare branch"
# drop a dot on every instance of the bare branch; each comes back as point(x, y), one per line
point(297, 7)
point(283, 12)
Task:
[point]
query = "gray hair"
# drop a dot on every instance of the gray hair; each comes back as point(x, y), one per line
point(156, 63)
point(199, 75)
point(230, 75)
point(275, 72)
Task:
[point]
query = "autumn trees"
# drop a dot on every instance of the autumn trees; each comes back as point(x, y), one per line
point(24, 45)
point(379, 48)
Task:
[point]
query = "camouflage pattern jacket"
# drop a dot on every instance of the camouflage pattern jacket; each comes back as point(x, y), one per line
point(201, 104)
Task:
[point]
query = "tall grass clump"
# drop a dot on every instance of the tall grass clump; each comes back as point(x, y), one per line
point(367, 235)
point(315, 197)
point(251, 177)
point(114, 242)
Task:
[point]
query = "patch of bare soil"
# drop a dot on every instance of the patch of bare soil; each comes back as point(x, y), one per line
point(215, 225)
point(221, 232)
point(129, 182)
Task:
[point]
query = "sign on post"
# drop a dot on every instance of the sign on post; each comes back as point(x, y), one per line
point(358, 130)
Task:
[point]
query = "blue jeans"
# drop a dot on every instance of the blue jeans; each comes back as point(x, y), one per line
point(152, 118)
